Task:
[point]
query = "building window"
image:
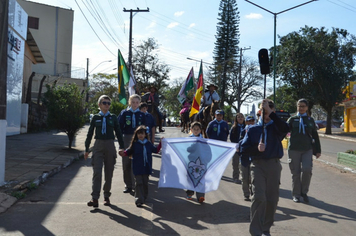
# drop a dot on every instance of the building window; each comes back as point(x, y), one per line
point(33, 22)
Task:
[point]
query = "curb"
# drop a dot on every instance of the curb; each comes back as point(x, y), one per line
point(6, 200)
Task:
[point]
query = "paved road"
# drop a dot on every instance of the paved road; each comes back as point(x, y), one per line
point(58, 207)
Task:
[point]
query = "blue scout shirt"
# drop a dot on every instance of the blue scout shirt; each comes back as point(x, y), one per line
point(212, 130)
point(125, 121)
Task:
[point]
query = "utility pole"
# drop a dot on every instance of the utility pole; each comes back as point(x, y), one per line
point(130, 39)
point(239, 87)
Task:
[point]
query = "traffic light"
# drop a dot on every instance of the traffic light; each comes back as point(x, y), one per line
point(264, 61)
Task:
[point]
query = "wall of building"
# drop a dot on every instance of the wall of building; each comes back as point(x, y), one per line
point(54, 37)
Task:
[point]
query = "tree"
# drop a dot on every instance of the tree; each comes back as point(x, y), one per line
point(317, 64)
point(65, 105)
point(170, 101)
point(226, 47)
point(248, 88)
point(148, 68)
point(286, 98)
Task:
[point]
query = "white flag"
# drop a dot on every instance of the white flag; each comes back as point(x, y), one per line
point(132, 83)
point(194, 163)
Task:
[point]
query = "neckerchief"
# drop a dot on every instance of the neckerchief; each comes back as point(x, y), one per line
point(103, 127)
point(144, 151)
point(133, 116)
point(265, 128)
point(219, 122)
point(301, 123)
point(192, 135)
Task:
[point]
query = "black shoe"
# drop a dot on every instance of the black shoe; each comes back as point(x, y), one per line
point(247, 198)
point(305, 198)
point(139, 204)
point(296, 199)
point(107, 201)
point(161, 130)
point(93, 203)
point(266, 233)
point(127, 190)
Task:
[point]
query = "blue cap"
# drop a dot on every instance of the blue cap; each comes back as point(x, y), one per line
point(219, 112)
point(248, 118)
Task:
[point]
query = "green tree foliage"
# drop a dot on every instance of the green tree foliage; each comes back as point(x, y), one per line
point(102, 84)
point(286, 98)
point(147, 67)
point(65, 105)
point(317, 64)
point(226, 47)
point(170, 101)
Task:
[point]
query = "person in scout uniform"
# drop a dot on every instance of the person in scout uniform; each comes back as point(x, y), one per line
point(303, 135)
point(218, 128)
point(104, 152)
point(129, 120)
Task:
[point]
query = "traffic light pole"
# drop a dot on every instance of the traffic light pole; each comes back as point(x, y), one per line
point(275, 38)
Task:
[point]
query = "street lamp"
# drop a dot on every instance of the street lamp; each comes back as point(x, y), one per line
point(199, 61)
point(275, 36)
point(99, 65)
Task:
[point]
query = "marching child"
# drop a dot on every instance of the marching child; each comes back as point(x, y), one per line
point(235, 136)
point(246, 163)
point(140, 152)
point(196, 129)
point(150, 121)
point(218, 128)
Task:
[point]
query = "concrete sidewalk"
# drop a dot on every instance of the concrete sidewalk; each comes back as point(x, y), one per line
point(32, 158)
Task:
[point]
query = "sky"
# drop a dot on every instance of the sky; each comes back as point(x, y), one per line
point(187, 28)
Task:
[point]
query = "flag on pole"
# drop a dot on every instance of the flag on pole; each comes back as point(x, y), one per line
point(132, 83)
point(199, 92)
point(123, 77)
point(194, 163)
point(188, 85)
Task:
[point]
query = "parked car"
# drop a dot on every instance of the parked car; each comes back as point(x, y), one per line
point(284, 115)
point(322, 124)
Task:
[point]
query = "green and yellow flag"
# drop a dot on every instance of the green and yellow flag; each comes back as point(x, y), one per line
point(123, 77)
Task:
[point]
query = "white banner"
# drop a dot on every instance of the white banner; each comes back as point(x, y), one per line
point(194, 163)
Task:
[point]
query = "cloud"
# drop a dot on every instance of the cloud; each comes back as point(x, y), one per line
point(191, 25)
point(179, 13)
point(172, 25)
point(152, 25)
point(253, 16)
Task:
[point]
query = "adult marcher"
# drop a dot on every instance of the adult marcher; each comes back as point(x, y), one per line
point(152, 98)
point(209, 96)
point(303, 135)
point(218, 128)
point(235, 136)
point(129, 120)
point(150, 121)
point(104, 153)
point(265, 167)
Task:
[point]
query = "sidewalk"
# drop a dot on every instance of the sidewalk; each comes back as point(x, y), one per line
point(32, 158)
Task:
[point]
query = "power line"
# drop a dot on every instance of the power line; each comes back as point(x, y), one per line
point(342, 6)
point(93, 28)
